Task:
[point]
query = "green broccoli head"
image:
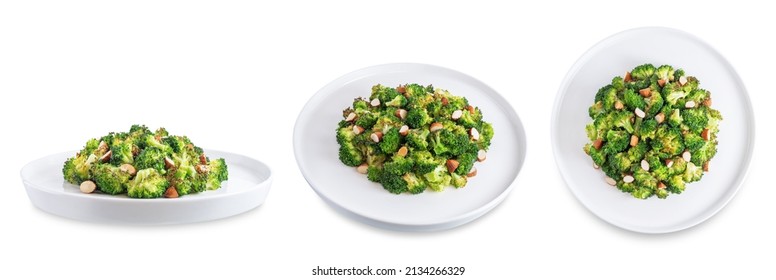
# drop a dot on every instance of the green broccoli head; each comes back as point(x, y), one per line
point(399, 165)
point(398, 101)
point(366, 119)
point(665, 72)
point(598, 156)
point(78, 169)
point(438, 179)
point(692, 173)
point(110, 179)
point(121, 153)
point(643, 72)
point(148, 183)
point(647, 129)
point(693, 141)
point(486, 135)
point(394, 183)
point(415, 185)
point(374, 173)
point(217, 173)
point(458, 180)
point(696, 119)
point(619, 162)
point(186, 180)
point(425, 162)
point(668, 142)
point(676, 184)
point(151, 157)
point(654, 103)
point(469, 120)
point(633, 100)
point(391, 141)
point(418, 118)
point(616, 141)
point(622, 120)
point(417, 138)
point(383, 93)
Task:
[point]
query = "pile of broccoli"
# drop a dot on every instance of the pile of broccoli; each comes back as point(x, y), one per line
point(653, 131)
point(144, 164)
point(410, 138)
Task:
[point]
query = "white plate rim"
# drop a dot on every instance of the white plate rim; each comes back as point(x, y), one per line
point(448, 223)
point(562, 94)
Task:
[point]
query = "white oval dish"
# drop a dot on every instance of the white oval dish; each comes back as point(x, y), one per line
point(613, 57)
point(247, 188)
point(352, 194)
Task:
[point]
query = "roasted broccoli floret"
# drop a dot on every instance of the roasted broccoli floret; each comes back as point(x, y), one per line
point(110, 179)
point(148, 183)
point(217, 173)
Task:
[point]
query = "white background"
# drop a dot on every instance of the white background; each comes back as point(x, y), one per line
point(233, 76)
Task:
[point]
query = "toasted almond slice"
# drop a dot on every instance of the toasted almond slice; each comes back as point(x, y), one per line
point(669, 162)
point(445, 101)
point(402, 151)
point(661, 185)
point(401, 89)
point(475, 134)
point(634, 140)
point(202, 168)
point(171, 192)
point(103, 147)
point(472, 172)
point(661, 82)
point(598, 143)
point(610, 181)
point(457, 114)
point(436, 126)
point(404, 130)
point(202, 159)
point(645, 92)
point(686, 156)
point(168, 163)
point(707, 102)
point(618, 105)
point(452, 165)
point(470, 108)
point(128, 168)
point(376, 136)
point(644, 165)
point(689, 104)
point(401, 113)
point(628, 179)
point(375, 102)
point(87, 186)
point(482, 155)
point(682, 80)
point(640, 113)
point(628, 77)
point(106, 156)
point(358, 130)
point(706, 166)
point(350, 117)
point(705, 134)
point(595, 166)
point(362, 168)
point(660, 117)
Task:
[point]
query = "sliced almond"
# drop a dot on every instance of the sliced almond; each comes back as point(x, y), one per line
point(445, 101)
point(682, 80)
point(350, 117)
point(358, 130)
point(436, 126)
point(661, 82)
point(457, 114)
point(376, 136)
point(362, 168)
point(706, 166)
point(404, 130)
point(475, 134)
point(610, 181)
point(628, 179)
point(103, 147)
point(669, 162)
point(401, 113)
point(689, 104)
point(645, 92)
point(707, 102)
point(375, 102)
point(472, 172)
point(202, 168)
point(644, 165)
point(686, 156)
point(401, 89)
point(202, 159)
point(470, 108)
point(482, 155)
point(106, 156)
point(402, 151)
point(705, 134)
point(661, 186)
point(87, 187)
point(640, 113)
point(128, 168)
point(634, 140)
point(618, 105)
point(171, 192)
point(595, 166)
point(628, 77)
point(452, 165)
point(660, 117)
point(168, 163)
point(598, 143)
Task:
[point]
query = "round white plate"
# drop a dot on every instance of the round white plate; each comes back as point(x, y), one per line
point(613, 57)
point(351, 193)
point(247, 187)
